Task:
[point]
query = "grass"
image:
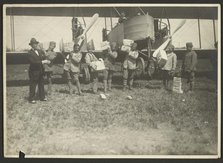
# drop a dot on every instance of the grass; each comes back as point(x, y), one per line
point(154, 122)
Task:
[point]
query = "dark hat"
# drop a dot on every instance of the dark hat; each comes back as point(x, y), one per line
point(135, 44)
point(189, 44)
point(52, 43)
point(76, 45)
point(170, 46)
point(33, 41)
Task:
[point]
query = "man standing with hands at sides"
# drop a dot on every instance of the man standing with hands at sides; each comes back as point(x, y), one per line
point(109, 61)
point(189, 65)
point(36, 71)
point(129, 66)
point(50, 55)
point(89, 58)
point(169, 68)
point(72, 68)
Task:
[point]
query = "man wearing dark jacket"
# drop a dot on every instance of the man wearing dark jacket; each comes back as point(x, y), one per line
point(189, 65)
point(36, 71)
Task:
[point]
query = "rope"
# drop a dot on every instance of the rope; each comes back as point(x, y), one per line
point(142, 11)
point(117, 11)
point(168, 21)
point(143, 53)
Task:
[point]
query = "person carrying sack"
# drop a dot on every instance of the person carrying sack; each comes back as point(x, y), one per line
point(169, 68)
point(72, 68)
point(109, 60)
point(89, 58)
point(50, 55)
point(129, 66)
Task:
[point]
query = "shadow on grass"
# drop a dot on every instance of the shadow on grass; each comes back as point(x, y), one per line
point(213, 90)
point(18, 83)
point(64, 91)
point(117, 80)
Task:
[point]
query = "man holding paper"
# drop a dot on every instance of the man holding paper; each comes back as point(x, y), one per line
point(36, 71)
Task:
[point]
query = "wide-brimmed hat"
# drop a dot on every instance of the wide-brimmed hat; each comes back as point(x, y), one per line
point(189, 44)
point(33, 41)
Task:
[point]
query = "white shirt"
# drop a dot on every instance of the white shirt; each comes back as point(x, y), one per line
point(36, 52)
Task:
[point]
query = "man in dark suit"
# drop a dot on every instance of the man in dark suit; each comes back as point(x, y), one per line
point(36, 71)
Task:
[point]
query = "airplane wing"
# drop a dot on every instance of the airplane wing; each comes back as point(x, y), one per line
point(156, 12)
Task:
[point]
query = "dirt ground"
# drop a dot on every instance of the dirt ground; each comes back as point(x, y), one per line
point(154, 122)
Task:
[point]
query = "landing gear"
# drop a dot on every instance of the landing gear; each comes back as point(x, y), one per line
point(86, 74)
point(140, 67)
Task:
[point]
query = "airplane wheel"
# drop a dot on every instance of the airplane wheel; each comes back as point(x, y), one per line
point(140, 67)
point(86, 74)
point(151, 68)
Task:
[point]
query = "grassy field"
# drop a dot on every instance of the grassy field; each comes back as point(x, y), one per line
point(154, 122)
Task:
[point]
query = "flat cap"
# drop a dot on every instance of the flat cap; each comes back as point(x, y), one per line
point(189, 44)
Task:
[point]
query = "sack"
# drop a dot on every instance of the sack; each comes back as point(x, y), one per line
point(125, 48)
point(105, 45)
point(98, 65)
point(128, 42)
point(177, 85)
point(161, 58)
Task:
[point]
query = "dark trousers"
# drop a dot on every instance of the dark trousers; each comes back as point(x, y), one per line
point(128, 75)
point(94, 79)
point(190, 76)
point(32, 88)
point(107, 75)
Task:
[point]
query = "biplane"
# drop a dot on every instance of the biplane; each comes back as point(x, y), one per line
point(144, 25)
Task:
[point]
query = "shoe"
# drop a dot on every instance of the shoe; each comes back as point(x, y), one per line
point(45, 99)
point(124, 88)
point(80, 94)
point(71, 92)
point(33, 102)
point(189, 91)
point(95, 92)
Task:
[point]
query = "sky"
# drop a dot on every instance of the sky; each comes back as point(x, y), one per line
point(46, 29)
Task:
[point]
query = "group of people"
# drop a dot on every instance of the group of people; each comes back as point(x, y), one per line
point(188, 66)
point(41, 64)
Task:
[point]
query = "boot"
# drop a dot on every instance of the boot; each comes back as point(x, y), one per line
point(49, 91)
point(105, 86)
point(130, 84)
point(79, 88)
point(191, 86)
point(165, 84)
point(124, 84)
point(109, 84)
point(95, 86)
point(70, 87)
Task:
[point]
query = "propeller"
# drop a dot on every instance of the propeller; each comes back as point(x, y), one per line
point(164, 45)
